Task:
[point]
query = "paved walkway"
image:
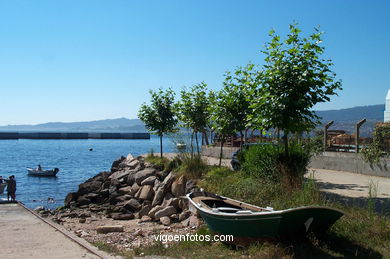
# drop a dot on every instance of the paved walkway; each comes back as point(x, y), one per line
point(24, 235)
point(351, 184)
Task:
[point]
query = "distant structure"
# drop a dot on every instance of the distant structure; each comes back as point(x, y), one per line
point(387, 108)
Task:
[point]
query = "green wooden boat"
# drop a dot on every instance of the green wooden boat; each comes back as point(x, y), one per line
point(247, 222)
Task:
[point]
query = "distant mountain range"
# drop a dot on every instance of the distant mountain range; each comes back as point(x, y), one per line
point(344, 119)
point(109, 125)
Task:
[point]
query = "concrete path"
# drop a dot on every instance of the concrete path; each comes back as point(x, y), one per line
point(24, 235)
point(351, 184)
point(354, 189)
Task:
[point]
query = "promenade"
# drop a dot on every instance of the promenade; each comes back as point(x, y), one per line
point(24, 235)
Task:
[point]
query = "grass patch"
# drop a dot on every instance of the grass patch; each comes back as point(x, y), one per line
point(360, 233)
point(160, 162)
point(192, 165)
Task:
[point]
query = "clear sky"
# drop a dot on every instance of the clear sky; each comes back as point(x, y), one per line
point(87, 60)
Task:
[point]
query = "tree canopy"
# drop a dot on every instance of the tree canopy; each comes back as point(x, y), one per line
point(160, 116)
point(194, 109)
point(294, 79)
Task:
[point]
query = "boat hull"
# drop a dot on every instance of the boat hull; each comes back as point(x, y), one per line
point(270, 224)
point(43, 173)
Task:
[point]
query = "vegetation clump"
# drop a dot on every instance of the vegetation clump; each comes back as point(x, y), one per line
point(378, 149)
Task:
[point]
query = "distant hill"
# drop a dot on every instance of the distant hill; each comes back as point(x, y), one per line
point(112, 125)
point(344, 119)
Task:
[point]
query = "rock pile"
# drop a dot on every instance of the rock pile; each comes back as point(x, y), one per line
point(135, 189)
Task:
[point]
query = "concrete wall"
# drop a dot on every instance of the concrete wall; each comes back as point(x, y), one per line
point(215, 151)
point(350, 162)
point(9, 135)
point(72, 135)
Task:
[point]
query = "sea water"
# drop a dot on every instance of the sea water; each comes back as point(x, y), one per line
point(74, 159)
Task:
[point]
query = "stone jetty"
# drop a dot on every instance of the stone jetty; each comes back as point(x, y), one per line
point(133, 189)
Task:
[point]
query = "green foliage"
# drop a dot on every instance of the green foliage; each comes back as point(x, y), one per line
point(377, 149)
point(241, 186)
point(159, 117)
point(236, 95)
point(192, 165)
point(194, 109)
point(261, 161)
point(314, 145)
point(270, 163)
point(294, 79)
point(160, 162)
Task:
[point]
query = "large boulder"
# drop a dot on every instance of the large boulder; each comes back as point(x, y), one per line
point(72, 196)
point(134, 189)
point(158, 197)
point(124, 190)
point(144, 211)
point(166, 221)
point(154, 210)
point(178, 186)
point(119, 174)
point(143, 174)
point(168, 180)
point(167, 211)
point(145, 193)
point(109, 228)
point(116, 163)
point(89, 186)
point(83, 200)
point(149, 181)
point(120, 216)
point(132, 205)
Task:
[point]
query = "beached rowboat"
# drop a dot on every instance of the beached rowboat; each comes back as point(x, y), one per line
point(37, 172)
point(248, 223)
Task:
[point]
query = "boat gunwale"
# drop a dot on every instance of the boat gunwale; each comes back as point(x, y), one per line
point(255, 213)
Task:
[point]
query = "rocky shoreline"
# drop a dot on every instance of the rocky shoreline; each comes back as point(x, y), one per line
point(129, 205)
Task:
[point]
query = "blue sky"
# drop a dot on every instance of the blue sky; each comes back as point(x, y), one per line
point(88, 60)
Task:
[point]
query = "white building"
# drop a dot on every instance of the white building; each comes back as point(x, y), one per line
point(387, 107)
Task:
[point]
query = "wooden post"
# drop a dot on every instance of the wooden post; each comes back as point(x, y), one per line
point(326, 133)
point(358, 125)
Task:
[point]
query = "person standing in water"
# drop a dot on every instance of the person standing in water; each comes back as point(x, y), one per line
point(11, 188)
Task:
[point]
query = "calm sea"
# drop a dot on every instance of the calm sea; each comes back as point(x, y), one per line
point(74, 159)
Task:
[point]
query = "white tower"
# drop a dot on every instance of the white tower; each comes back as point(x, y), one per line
point(387, 107)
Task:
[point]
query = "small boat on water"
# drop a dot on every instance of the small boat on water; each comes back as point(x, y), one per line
point(248, 223)
point(181, 146)
point(2, 187)
point(41, 172)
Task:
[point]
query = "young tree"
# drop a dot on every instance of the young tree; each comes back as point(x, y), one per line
point(237, 96)
point(223, 121)
point(294, 79)
point(159, 117)
point(194, 110)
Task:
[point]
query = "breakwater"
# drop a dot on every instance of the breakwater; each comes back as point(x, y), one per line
point(73, 135)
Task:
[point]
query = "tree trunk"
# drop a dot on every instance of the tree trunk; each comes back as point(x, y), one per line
point(285, 140)
point(197, 144)
point(192, 144)
point(241, 138)
point(206, 137)
point(161, 148)
point(220, 154)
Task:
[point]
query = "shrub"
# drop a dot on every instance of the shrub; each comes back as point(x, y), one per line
point(192, 165)
point(269, 163)
point(239, 185)
point(160, 162)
